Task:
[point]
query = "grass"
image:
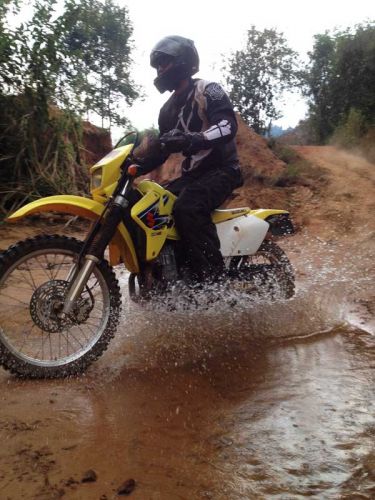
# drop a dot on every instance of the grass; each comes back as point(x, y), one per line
point(298, 171)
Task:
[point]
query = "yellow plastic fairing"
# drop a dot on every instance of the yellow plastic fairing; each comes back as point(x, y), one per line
point(105, 173)
point(153, 214)
point(84, 207)
point(166, 205)
point(263, 213)
point(228, 214)
point(121, 247)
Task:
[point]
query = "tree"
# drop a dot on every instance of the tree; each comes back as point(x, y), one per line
point(52, 68)
point(37, 43)
point(79, 60)
point(39, 144)
point(96, 38)
point(258, 75)
point(354, 71)
point(340, 79)
point(319, 80)
point(6, 44)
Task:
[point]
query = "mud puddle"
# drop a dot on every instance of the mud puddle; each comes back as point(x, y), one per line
point(283, 420)
point(232, 401)
point(204, 411)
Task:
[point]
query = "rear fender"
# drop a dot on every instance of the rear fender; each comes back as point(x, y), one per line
point(279, 221)
point(121, 248)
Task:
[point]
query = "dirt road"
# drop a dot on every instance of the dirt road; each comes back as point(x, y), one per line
point(347, 203)
point(340, 227)
point(254, 401)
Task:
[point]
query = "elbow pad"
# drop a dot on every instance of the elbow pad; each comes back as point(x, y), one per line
point(222, 130)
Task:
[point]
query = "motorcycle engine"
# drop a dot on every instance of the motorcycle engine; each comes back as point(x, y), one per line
point(167, 262)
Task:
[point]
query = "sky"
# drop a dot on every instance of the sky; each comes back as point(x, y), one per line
point(219, 27)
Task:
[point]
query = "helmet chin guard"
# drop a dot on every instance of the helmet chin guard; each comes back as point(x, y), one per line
point(170, 79)
point(184, 60)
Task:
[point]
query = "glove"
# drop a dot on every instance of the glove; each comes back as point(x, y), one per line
point(189, 143)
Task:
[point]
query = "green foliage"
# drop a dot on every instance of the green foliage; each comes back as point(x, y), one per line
point(33, 166)
point(340, 78)
point(366, 144)
point(349, 133)
point(78, 60)
point(96, 43)
point(38, 151)
point(7, 42)
point(318, 78)
point(53, 68)
point(298, 170)
point(284, 153)
point(258, 75)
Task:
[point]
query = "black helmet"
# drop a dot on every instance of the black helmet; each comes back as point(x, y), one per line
point(184, 58)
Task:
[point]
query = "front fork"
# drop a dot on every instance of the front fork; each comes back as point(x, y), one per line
point(95, 250)
point(79, 283)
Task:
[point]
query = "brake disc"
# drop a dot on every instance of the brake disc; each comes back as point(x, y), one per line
point(47, 303)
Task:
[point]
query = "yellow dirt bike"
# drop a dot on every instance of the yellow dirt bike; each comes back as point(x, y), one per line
point(60, 300)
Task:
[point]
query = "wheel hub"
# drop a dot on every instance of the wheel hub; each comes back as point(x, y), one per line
point(47, 303)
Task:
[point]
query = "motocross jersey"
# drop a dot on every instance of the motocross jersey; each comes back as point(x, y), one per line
point(203, 107)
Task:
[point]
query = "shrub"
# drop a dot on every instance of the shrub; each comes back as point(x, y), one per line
point(37, 158)
point(348, 134)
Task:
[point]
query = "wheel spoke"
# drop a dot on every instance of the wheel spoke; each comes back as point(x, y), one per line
point(13, 298)
point(50, 346)
point(88, 322)
point(33, 285)
point(90, 325)
point(67, 340)
point(78, 342)
point(26, 336)
point(83, 333)
point(45, 268)
point(268, 271)
point(42, 344)
point(60, 267)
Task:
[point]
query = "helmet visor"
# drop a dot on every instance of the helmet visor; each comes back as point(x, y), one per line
point(159, 59)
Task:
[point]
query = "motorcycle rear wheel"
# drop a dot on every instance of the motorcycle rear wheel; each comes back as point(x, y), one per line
point(267, 273)
point(35, 342)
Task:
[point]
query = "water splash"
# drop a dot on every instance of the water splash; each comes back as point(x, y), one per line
point(217, 319)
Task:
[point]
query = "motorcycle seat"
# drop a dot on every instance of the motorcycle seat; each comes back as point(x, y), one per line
point(221, 215)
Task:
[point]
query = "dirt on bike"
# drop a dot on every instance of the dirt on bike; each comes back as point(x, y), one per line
point(60, 300)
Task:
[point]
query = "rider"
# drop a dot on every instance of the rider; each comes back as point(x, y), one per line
point(197, 120)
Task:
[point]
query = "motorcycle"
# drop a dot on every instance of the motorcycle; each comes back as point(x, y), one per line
point(60, 300)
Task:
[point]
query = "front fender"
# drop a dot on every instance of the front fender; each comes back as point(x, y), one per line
point(120, 248)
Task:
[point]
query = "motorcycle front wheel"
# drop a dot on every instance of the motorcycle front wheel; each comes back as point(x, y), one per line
point(36, 341)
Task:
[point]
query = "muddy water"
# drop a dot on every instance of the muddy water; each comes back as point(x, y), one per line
point(239, 401)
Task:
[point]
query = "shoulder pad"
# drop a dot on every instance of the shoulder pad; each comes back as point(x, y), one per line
point(200, 85)
point(214, 91)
